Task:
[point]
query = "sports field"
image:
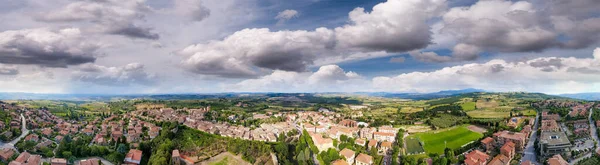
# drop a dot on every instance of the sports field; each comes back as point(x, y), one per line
point(413, 146)
point(434, 141)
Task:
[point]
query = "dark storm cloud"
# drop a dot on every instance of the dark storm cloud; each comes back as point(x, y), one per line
point(542, 63)
point(134, 31)
point(45, 48)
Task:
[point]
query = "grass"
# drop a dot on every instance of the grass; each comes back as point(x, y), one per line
point(411, 109)
point(413, 146)
point(468, 106)
point(452, 138)
point(222, 162)
point(529, 112)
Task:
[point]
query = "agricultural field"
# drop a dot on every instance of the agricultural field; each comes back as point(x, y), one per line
point(488, 114)
point(445, 120)
point(455, 137)
point(468, 106)
point(411, 109)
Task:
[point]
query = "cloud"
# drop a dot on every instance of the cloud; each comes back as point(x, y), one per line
point(429, 57)
point(597, 53)
point(397, 59)
point(242, 53)
point(193, 9)
point(328, 78)
point(286, 15)
point(109, 16)
point(133, 73)
point(500, 75)
point(8, 70)
point(46, 47)
point(393, 26)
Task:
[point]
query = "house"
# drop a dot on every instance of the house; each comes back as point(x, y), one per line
point(385, 146)
point(476, 157)
point(6, 153)
point(58, 161)
point(133, 157)
point(339, 162)
point(500, 160)
point(360, 142)
point(508, 149)
point(488, 144)
point(364, 159)
point(59, 138)
point(26, 158)
point(557, 160)
point(349, 155)
point(372, 143)
point(547, 116)
point(348, 123)
point(32, 137)
point(322, 143)
point(92, 161)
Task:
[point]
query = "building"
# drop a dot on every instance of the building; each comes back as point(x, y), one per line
point(58, 161)
point(360, 142)
point(348, 123)
point(133, 157)
point(557, 160)
point(385, 146)
point(26, 158)
point(372, 144)
point(508, 150)
point(178, 159)
point(322, 143)
point(364, 159)
point(384, 136)
point(500, 160)
point(349, 155)
point(339, 162)
point(552, 143)
point(520, 139)
point(6, 154)
point(550, 126)
point(488, 144)
point(547, 116)
point(476, 157)
point(92, 161)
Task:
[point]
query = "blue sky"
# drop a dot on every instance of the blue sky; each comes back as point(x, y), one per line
point(200, 46)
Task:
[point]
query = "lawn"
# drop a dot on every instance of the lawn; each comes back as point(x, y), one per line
point(452, 138)
point(413, 146)
point(468, 106)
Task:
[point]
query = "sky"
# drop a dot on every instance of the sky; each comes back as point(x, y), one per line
point(212, 46)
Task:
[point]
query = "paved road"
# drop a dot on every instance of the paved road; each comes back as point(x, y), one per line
point(529, 152)
point(593, 134)
point(24, 132)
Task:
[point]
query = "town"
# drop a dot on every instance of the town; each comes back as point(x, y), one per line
point(556, 132)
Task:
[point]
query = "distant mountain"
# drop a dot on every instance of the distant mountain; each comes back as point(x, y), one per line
point(583, 96)
point(426, 96)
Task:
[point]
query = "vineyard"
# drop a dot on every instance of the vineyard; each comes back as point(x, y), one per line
point(445, 121)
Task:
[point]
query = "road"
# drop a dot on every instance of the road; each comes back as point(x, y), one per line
point(529, 152)
point(594, 135)
point(24, 132)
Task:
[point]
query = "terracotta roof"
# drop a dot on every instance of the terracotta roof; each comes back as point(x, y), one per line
point(339, 162)
point(347, 153)
point(372, 142)
point(557, 160)
point(364, 158)
point(386, 144)
point(175, 153)
point(500, 160)
point(487, 140)
point(134, 154)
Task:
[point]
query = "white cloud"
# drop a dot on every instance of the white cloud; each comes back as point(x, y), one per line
point(286, 15)
point(499, 75)
point(597, 53)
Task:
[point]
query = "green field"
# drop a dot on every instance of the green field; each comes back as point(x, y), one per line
point(413, 146)
point(453, 137)
point(488, 114)
point(468, 106)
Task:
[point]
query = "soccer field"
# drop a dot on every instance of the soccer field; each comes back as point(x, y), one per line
point(435, 141)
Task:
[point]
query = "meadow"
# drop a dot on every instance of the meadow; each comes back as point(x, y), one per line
point(413, 146)
point(454, 138)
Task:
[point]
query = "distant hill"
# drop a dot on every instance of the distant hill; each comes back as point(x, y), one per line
point(583, 96)
point(425, 96)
